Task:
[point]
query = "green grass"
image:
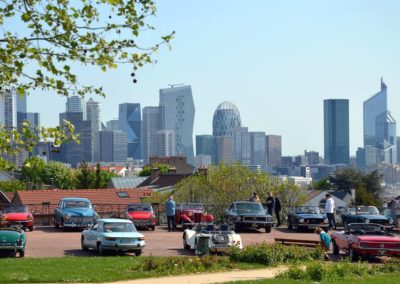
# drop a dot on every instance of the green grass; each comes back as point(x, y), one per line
point(99, 269)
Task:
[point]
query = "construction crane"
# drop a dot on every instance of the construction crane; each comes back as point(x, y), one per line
point(174, 85)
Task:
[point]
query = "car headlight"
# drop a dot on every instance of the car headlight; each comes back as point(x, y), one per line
point(239, 218)
point(326, 221)
point(390, 221)
point(30, 217)
point(301, 220)
point(110, 239)
point(3, 217)
point(67, 217)
point(141, 238)
point(366, 221)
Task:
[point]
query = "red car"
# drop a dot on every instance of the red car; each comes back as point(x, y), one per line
point(142, 215)
point(17, 215)
point(364, 240)
point(188, 214)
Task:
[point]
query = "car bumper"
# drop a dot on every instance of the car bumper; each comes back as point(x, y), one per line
point(25, 224)
point(377, 252)
point(124, 247)
point(77, 224)
point(312, 226)
point(10, 248)
point(144, 223)
point(254, 224)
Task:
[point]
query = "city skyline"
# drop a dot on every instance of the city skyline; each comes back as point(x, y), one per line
point(277, 72)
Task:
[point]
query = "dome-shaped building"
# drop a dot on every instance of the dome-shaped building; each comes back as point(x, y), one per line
point(226, 119)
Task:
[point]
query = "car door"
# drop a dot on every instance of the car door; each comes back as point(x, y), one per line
point(57, 218)
point(230, 213)
point(92, 235)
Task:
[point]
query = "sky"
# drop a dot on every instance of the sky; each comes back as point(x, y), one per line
point(275, 60)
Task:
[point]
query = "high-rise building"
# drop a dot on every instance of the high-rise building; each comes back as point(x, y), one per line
point(120, 146)
point(242, 145)
point(8, 109)
point(258, 156)
point(151, 124)
point(379, 130)
point(130, 121)
point(21, 103)
point(274, 150)
point(93, 116)
point(224, 149)
point(112, 125)
point(166, 143)
point(336, 131)
point(177, 114)
point(111, 146)
point(76, 104)
point(312, 157)
point(205, 145)
point(226, 119)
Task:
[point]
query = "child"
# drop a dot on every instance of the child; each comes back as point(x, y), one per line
point(325, 239)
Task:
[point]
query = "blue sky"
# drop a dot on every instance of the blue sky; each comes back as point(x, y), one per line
point(275, 60)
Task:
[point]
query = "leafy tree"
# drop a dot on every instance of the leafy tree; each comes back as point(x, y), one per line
point(84, 176)
point(44, 42)
point(32, 171)
point(102, 179)
point(322, 184)
point(13, 185)
point(163, 168)
point(346, 179)
point(59, 175)
point(97, 180)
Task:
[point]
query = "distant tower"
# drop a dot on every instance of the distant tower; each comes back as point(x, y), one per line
point(226, 119)
point(336, 131)
point(166, 143)
point(8, 109)
point(76, 104)
point(130, 121)
point(258, 155)
point(93, 115)
point(151, 124)
point(274, 150)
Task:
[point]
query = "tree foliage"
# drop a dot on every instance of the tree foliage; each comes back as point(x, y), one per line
point(146, 171)
point(12, 185)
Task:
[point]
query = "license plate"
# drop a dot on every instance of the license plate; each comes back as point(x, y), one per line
point(381, 252)
point(312, 226)
point(254, 225)
point(5, 244)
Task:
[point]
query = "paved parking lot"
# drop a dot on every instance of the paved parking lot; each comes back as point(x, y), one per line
point(51, 242)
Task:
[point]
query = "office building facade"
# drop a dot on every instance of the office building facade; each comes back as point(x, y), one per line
point(258, 155)
point(166, 143)
point(130, 121)
point(205, 145)
point(273, 150)
point(242, 145)
point(226, 119)
point(151, 124)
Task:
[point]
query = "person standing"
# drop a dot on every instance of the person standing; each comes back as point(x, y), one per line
point(270, 204)
point(170, 212)
point(277, 209)
point(330, 210)
point(254, 198)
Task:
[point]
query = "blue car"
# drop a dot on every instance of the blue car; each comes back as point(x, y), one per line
point(74, 212)
point(113, 235)
point(366, 214)
point(307, 218)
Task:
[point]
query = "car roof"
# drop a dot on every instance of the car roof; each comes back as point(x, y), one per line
point(138, 204)
point(114, 220)
point(244, 202)
point(75, 199)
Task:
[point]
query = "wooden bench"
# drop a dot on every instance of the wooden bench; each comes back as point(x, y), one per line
point(297, 242)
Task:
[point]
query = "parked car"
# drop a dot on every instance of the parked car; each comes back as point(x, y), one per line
point(17, 215)
point(393, 212)
point(188, 214)
point(113, 235)
point(306, 217)
point(74, 212)
point(363, 240)
point(142, 215)
point(207, 238)
point(13, 240)
point(366, 214)
point(248, 214)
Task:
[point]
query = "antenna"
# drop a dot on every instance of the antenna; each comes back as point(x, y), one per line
point(174, 85)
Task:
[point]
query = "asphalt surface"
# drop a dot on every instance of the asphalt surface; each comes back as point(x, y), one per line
point(52, 242)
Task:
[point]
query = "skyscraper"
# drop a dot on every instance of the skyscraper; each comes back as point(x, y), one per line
point(111, 146)
point(93, 116)
point(379, 130)
point(336, 131)
point(151, 124)
point(273, 150)
point(205, 145)
point(177, 114)
point(166, 143)
point(130, 121)
point(242, 145)
point(76, 104)
point(224, 149)
point(258, 155)
point(8, 109)
point(226, 119)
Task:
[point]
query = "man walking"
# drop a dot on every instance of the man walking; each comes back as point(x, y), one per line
point(277, 209)
point(270, 204)
point(170, 212)
point(330, 210)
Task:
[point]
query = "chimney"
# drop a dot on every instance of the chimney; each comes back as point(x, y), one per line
point(172, 170)
point(155, 172)
point(202, 170)
point(353, 195)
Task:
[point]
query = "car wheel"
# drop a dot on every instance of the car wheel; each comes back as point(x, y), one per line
point(289, 225)
point(56, 225)
point(335, 248)
point(352, 255)
point(21, 253)
point(100, 249)
point(185, 245)
point(237, 227)
point(296, 228)
point(138, 253)
point(345, 224)
point(268, 229)
point(31, 229)
point(153, 228)
point(83, 246)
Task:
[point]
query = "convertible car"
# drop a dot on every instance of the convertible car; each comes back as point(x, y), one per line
point(306, 217)
point(206, 238)
point(248, 214)
point(113, 235)
point(366, 214)
point(363, 240)
point(12, 240)
point(188, 214)
point(142, 215)
point(74, 213)
point(17, 215)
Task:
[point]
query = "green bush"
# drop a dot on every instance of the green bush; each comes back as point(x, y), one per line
point(273, 254)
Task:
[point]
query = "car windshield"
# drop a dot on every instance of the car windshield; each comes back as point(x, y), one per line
point(249, 208)
point(117, 227)
point(196, 206)
point(307, 210)
point(16, 209)
point(139, 208)
point(364, 210)
point(77, 204)
point(365, 229)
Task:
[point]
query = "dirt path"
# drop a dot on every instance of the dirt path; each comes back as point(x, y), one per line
point(217, 277)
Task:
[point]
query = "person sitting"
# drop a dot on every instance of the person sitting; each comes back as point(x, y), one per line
point(325, 239)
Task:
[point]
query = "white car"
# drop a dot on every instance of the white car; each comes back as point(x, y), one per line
point(206, 238)
point(113, 235)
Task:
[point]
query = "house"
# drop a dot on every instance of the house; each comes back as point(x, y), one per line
point(126, 182)
point(157, 180)
point(317, 198)
point(178, 163)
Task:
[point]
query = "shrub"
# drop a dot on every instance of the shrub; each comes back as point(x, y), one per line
point(273, 254)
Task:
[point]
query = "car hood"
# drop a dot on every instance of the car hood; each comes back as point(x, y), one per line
point(252, 214)
point(384, 239)
point(310, 216)
point(123, 235)
point(192, 210)
point(140, 215)
point(17, 216)
point(373, 217)
point(78, 211)
point(9, 236)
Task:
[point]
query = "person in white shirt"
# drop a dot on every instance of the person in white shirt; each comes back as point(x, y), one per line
point(330, 211)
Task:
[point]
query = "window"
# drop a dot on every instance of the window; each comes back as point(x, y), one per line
point(122, 194)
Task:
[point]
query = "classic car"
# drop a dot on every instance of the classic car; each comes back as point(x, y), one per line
point(12, 240)
point(17, 215)
point(188, 214)
point(366, 214)
point(363, 240)
point(118, 235)
point(306, 217)
point(142, 215)
point(74, 212)
point(248, 214)
point(207, 238)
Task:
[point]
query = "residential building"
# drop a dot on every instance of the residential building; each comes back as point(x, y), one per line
point(202, 160)
point(274, 150)
point(177, 114)
point(150, 125)
point(130, 121)
point(336, 131)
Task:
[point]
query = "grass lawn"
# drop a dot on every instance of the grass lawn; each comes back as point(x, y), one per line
point(89, 269)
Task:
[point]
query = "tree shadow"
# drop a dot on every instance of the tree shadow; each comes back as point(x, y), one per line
point(184, 252)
